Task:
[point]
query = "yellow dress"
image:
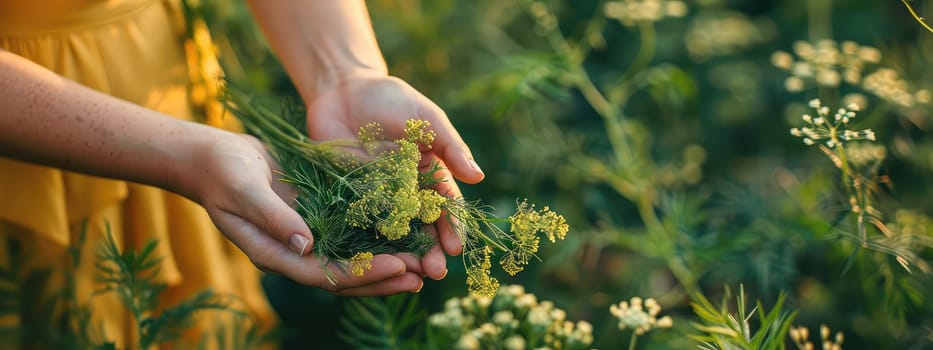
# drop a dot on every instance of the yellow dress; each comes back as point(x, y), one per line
point(134, 50)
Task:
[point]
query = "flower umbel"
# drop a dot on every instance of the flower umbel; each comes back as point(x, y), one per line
point(360, 263)
point(801, 337)
point(830, 129)
point(527, 223)
point(512, 319)
point(632, 12)
point(826, 63)
point(640, 316)
point(368, 196)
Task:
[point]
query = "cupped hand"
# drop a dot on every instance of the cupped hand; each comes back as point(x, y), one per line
point(235, 182)
point(338, 112)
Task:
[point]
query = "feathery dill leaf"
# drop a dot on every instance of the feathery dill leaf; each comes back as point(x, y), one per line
point(132, 275)
point(367, 196)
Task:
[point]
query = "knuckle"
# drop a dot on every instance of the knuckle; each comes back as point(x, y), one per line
point(261, 266)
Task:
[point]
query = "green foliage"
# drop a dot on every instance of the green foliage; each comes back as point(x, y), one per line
point(664, 141)
point(60, 320)
point(723, 328)
point(393, 322)
point(131, 275)
point(367, 196)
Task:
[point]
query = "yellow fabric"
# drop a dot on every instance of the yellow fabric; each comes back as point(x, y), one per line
point(134, 50)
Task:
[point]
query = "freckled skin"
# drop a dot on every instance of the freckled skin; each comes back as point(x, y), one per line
point(50, 120)
point(46, 119)
point(329, 50)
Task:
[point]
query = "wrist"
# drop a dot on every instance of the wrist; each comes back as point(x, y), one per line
point(187, 160)
point(328, 78)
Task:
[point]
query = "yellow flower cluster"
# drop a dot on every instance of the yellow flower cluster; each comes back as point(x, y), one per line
point(360, 263)
point(431, 205)
point(416, 131)
point(526, 224)
point(369, 136)
point(390, 194)
point(479, 279)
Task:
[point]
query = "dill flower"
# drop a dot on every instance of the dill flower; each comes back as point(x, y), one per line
point(641, 316)
point(830, 129)
point(828, 64)
point(416, 132)
point(369, 135)
point(887, 84)
point(431, 205)
point(720, 33)
point(515, 342)
point(367, 196)
point(360, 263)
point(631, 12)
point(508, 321)
point(825, 63)
point(527, 223)
point(801, 338)
point(479, 279)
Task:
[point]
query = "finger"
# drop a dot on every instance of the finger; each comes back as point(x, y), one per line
point(286, 191)
point(445, 183)
point(446, 234)
point(412, 263)
point(268, 212)
point(434, 262)
point(447, 187)
point(407, 282)
point(270, 255)
point(449, 145)
point(384, 267)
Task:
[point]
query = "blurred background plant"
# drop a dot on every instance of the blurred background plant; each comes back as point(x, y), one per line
point(54, 317)
point(659, 128)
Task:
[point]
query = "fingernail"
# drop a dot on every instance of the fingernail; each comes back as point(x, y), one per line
point(419, 287)
point(298, 244)
point(438, 278)
point(475, 166)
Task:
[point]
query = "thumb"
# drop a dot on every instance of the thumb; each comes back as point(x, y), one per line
point(267, 211)
point(449, 146)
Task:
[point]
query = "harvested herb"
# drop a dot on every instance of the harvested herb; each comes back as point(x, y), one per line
point(366, 196)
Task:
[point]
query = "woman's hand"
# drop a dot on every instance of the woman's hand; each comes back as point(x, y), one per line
point(234, 179)
point(341, 108)
point(79, 129)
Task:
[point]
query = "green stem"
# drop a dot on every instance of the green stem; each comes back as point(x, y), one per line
point(610, 115)
point(860, 197)
point(594, 25)
point(680, 270)
point(612, 119)
point(820, 19)
point(492, 242)
point(633, 342)
point(593, 96)
point(645, 51)
point(917, 16)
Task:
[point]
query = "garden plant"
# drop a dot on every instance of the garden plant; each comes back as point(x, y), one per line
point(730, 174)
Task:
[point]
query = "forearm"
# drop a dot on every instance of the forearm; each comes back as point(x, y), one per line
point(49, 120)
point(318, 41)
